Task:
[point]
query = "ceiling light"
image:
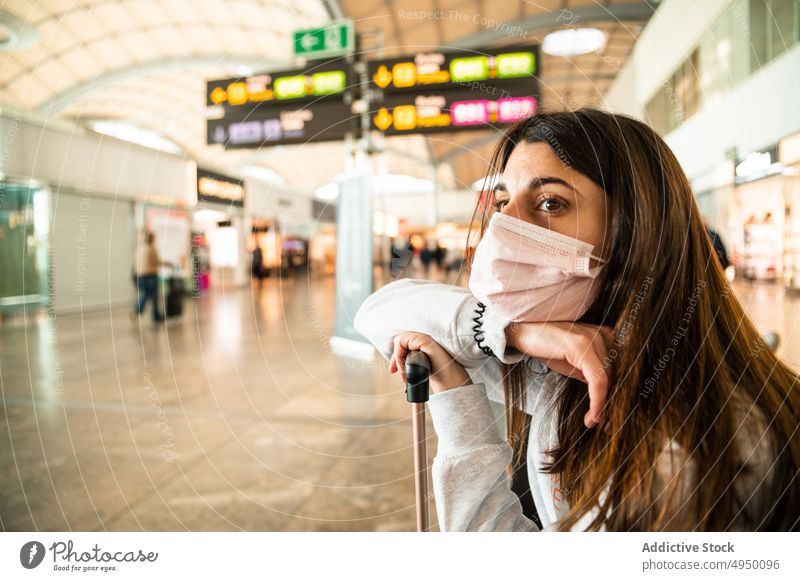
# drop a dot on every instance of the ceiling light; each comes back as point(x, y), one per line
point(265, 174)
point(206, 215)
point(399, 184)
point(756, 162)
point(389, 184)
point(329, 191)
point(16, 33)
point(574, 41)
point(135, 134)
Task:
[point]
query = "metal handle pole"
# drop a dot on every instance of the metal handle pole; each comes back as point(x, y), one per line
point(418, 369)
point(420, 466)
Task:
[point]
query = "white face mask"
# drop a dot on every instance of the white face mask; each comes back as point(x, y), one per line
point(528, 273)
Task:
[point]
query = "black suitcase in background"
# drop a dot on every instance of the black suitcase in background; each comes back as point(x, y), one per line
point(175, 292)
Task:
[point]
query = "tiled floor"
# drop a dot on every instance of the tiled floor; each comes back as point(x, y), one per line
point(237, 417)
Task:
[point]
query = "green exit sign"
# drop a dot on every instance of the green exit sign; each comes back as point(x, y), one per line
point(336, 39)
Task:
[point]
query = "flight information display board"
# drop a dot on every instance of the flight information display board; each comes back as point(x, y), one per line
point(433, 91)
point(438, 71)
point(283, 126)
point(448, 111)
point(321, 81)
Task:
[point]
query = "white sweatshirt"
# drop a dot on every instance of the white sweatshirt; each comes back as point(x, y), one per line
point(470, 484)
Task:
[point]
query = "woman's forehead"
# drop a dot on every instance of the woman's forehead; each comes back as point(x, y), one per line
point(533, 160)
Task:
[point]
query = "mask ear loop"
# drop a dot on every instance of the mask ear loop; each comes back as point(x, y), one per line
point(595, 270)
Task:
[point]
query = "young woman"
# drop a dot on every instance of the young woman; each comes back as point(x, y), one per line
point(598, 306)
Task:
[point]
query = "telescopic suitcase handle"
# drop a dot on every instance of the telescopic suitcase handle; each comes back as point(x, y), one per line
point(418, 371)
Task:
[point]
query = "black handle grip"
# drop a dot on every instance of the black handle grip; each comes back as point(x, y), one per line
point(418, 372)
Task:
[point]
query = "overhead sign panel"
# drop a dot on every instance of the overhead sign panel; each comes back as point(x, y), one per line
point(214, 187)
point(284, 125)
point(336, 39)
point(318, 81)
point(439, 71)
point(426, 92)
point(448, 111)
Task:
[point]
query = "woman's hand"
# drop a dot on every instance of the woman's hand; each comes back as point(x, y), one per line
point(446, 372)
point(572, 349)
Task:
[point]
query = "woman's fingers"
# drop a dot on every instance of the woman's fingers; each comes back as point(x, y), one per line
point(446, 373)
point(588, 357)
point(564, 367)
point(401, 350)
point(597, 380)
point(407, 342)
point(572, 349)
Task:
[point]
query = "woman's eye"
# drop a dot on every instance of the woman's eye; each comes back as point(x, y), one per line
point(550, 205)
point(500, 204)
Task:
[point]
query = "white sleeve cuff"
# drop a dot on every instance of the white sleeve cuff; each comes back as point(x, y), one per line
point(494, 332)
point(463, 419)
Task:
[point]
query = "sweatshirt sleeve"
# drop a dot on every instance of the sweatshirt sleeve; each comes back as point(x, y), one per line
point(445, 312)
point(470, 484)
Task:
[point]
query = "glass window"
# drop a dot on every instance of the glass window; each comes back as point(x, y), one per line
point(724, 53)
point(656, 110)
point(24, 227)
point(678, 99)
point(759, 33)
point(773, 29)
point(691, 87)
point(782, 30)
point(764, 28)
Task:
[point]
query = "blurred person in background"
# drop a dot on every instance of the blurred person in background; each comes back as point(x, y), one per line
point(719, 246)
point(425, 256)
point(146, 265)
point(402, 253)
point(257, 264)
point(438, 256)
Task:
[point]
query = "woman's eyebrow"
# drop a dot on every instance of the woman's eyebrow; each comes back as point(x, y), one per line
point(539, 182)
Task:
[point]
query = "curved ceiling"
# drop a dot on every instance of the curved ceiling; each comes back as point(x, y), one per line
point(147, 62)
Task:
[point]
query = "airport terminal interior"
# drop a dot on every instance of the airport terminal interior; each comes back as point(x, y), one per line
point(197, 195)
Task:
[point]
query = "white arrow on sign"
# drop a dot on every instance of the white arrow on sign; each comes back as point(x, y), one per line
point(308, 41)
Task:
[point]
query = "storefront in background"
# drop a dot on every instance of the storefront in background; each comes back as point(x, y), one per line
point(789, 156)
point(385, 228)
point(218, 232)
point(714, 193)
point(759, 214)
point(443, 244)
point(322, 241)
point(172, 227)
point(295, 253)
point(67, 239)
point(24, 249)
point(753, 202)
point(761, 203)
point(322, 250)
point(266, 238)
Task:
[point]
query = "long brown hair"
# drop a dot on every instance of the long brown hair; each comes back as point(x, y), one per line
point(684, 354)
